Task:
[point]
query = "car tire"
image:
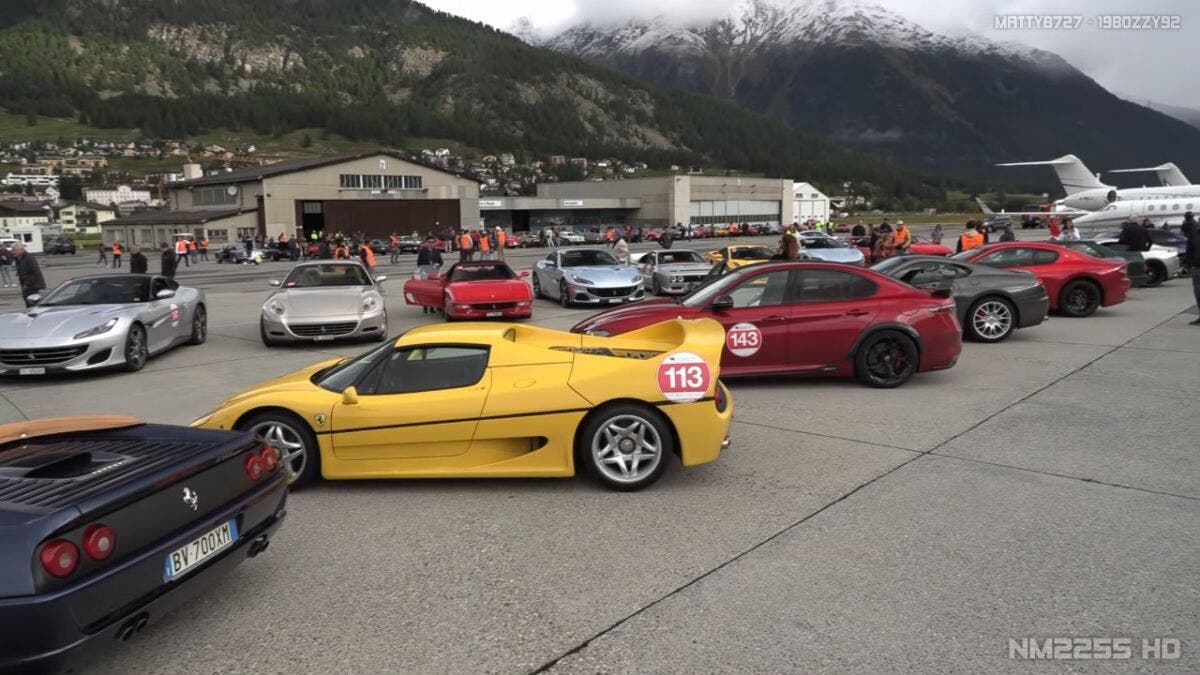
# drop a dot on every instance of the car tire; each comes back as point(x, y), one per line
point(991, 319)
point(199, 326)
point(262, 333)
point(624, 447)
point(299, 453)
point(1079, 298)
point(137, 352)
point(1156, 274)
point(382, 334)
point(537, 287)
point(446, 309)
point(564, 297)
point(886, 359)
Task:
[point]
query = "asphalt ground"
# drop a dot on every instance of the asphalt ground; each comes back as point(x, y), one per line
point(1044, 487)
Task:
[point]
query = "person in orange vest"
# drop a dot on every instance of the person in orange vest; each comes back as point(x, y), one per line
point(341, 251)
point(501, 241)
point(902, 237)
point(191, 244)
point(116, 254)
point(465, 246)
point(367, 256)
point(394, 247)
point(204, 248)
point(970, 238)
point(485, 245)
point(181, 252)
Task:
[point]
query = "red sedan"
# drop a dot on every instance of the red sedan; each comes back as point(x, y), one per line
point(1077, 283)
point(920, 246)
point(481, 289)
point(811, 318)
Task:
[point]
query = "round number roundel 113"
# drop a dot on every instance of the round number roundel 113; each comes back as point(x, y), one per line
point(743, 339)
point(684, 377)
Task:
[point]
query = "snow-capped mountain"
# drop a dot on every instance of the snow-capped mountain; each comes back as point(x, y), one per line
point(869, 78)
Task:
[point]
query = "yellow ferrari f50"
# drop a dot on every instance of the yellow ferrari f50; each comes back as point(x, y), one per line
point(482, 400)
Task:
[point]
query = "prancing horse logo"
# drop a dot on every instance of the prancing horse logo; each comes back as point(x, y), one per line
point(191, 498)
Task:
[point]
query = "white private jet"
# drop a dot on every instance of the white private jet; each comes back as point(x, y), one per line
point(1085, 192)
point(1168, 174)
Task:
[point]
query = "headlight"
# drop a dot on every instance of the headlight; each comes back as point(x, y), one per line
point(597, 332)
point(676, 280)
point(371, 302)
point(102, 328)
point(578, 279)
point(275, 307)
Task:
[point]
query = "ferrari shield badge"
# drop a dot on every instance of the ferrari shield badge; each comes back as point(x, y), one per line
point(320, 419)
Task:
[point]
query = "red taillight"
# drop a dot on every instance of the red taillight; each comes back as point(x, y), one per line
point(59, 558)
point(99, 541)
point(254, 467)
point(947, 308)
point(722, 399)
point(270, 457)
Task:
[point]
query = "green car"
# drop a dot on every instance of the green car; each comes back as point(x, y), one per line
point(1135, 264)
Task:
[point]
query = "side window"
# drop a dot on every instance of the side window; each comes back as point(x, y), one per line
point(1008, 257)
point(831, 286)
point(647, 259)
point(764, 290)
point(1041, 257)
point(156, 285)
point(430, 368)
point(921, 274)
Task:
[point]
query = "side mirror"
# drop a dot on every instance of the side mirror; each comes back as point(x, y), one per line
point(164, 294)
point(273, 282)
point(942, 292)
point(524, 274)
point(350, 396)
point(721, 303)
point(380, 279)
point(33, 299)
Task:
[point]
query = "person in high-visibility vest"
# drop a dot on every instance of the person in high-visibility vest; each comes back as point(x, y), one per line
point(341, 251)
point(902, 237)
point(116, 254)
point(501, 241)
point(970, 238)
point(367, 256)
point(485, 245)
point(191, 244)
point(181, 252)
point(465, 246)
point(394, 247)
point(204, 248)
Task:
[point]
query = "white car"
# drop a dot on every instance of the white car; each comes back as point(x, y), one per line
point(573, 238)
point(1162, 262)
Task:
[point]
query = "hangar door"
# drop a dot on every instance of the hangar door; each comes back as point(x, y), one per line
point(377, 218)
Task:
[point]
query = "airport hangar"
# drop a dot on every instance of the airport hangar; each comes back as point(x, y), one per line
point(649, 202)
point(375, 193)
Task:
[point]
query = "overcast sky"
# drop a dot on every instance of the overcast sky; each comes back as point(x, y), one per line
point(1145, 64)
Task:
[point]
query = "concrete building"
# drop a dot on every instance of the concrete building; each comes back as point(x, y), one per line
point(84, 217)
point(15, 214)
point(372, 194)
point(113, 196)
point(34, 179)
point(809, 203)
point(653, 202)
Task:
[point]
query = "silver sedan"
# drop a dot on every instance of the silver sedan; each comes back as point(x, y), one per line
point(586, 276)
point(320, 301)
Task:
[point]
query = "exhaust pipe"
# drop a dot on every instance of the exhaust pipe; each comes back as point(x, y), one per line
point(258, 546)
point(133, 626)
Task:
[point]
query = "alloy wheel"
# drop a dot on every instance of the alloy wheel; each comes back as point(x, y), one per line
point(887, 361)
point(287, 440)
point(626, 449)
point(136, 351)
point(992, 319)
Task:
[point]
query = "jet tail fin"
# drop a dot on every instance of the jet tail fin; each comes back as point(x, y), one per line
point(987, 211)
point(1168, 174)
point(1072, 173)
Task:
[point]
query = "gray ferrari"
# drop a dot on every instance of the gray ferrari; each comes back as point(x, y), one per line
point(103, 321)
point(821, 246)
point(991, 302)
point(673, 272)
point(327, 300)
point(586, 276)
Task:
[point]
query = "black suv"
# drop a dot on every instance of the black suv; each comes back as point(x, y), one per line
point(61, 246)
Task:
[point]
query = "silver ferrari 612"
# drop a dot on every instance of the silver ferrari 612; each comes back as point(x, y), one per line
point(326, 300)
point(103, 321)
point(586, 276)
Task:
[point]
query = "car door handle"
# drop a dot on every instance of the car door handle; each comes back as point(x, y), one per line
point(857, 312)
point(773, 317)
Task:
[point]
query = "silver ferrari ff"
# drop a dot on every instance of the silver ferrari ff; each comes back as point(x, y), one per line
point(102, 321)
point(325, 300)
point(586, 276)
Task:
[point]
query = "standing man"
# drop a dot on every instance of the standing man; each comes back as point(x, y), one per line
point(1191, 258)
point(204, 249)
point(116, 254)
point(367, 256)
point(394, 243)
point(465, 246)
point(181, 250)
point(429, 260)
point(902, 237)
point(168, 261)
point(103, 259)
point(137, 262)
point(501, 241)
point(29, 273)
point(485, 245)
point(191, 244)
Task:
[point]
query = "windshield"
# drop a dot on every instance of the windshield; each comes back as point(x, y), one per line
point(750, 253)
point(679, 257)
point(822, 242)
point(346, 373)
point(589, 258)
point(712, 285)
point(481, 273)
point(317, 276)
point(100, 291)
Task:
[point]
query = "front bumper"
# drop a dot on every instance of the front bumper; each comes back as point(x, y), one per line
point(668, 287)
point(1033, 306)
point(51, 635)
point(519, 310)
point(591, 295)
point(325, 328)
point(46, 357)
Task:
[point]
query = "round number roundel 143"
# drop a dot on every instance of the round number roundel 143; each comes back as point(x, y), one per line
point(743, 339)
point(684, 377)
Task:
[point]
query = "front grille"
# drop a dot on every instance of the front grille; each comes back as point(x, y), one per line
point(48, 356)
point(494, 305)
point(612, 292)
point(319, 329)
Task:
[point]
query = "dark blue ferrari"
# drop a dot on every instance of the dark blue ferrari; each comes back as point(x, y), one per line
point(107, 523)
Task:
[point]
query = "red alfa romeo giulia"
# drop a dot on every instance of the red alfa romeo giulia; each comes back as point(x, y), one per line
point(1077, 283)
point(811, 318)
